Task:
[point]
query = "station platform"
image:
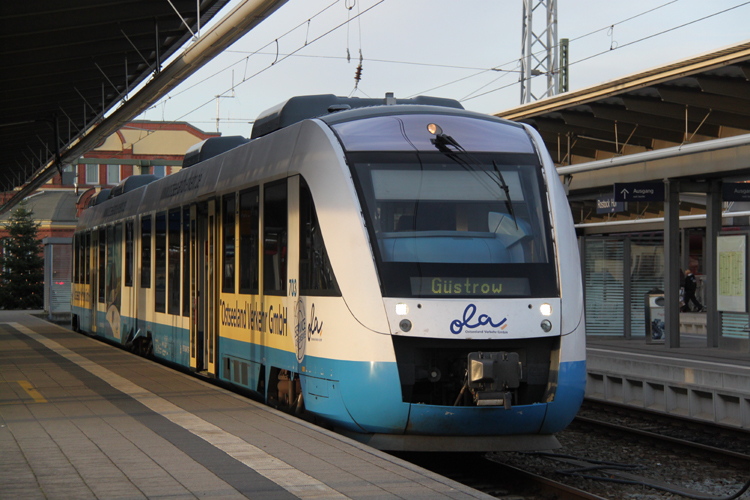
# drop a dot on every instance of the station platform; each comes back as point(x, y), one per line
point(692, 381)
point(81, 419)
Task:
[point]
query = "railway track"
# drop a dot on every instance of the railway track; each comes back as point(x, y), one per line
point(705, 437)
point(478, 471)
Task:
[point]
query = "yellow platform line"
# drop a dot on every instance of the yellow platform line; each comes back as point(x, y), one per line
point(36, 396)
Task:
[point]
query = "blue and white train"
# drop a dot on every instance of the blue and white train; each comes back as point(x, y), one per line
point(404, 272)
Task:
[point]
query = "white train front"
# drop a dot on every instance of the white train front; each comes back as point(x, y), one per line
point(407, 273)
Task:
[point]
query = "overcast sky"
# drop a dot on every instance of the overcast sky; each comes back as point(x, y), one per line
point(443, 48)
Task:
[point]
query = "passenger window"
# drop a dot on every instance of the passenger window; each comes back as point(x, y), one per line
point(315, 273)
point(227, 212)
point(160, 261)
point(275, 227)
point(76, 256)
point(186, 261)
point(174, 261)
point(114, 263)
point(102, 262)
point(87, 267)
point(249, 232)
point(146, 252)
point(129, 253)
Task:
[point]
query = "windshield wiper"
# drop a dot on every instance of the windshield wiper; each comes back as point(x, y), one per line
point(442, 141)
point(508, 202)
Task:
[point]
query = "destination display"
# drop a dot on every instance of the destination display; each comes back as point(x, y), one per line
point(469, 287)
point(639, 191)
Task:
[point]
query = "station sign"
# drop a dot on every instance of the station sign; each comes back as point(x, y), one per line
point(639, 191)
point(608, 205)
point(735, 191)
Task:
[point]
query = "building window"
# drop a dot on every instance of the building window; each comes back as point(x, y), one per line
point(275, 229)
point(159, 170)
point(92, 174)
point(113, 174)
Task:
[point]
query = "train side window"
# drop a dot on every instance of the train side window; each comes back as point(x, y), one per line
point(76, 256)
point(109, 281)
point(102, 263)
point(186, 261)
point(275, 230)
point(174, 261)
point(146, 252)
point(227, 212)
point(315, 272)
point(129, 253)
point(249, 238)
point(160, 262)
point(87, 266)
point(114, 264)
point(80, 252)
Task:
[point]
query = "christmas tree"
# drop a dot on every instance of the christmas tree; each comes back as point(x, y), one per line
point(22, 285)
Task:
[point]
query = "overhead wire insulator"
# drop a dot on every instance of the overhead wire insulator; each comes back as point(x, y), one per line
point(358, 72)
point(358, 75)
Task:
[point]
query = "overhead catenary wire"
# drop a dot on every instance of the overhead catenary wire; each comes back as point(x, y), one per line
point(612, 49)
point(278, 59)
point(516, 61)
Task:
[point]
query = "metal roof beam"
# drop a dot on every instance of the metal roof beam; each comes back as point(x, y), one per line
point(671, 110)
point(625, 116)
point(236, 23)
point(627, 128)
point(560, 127)
point(737, 88)
point(704, 100)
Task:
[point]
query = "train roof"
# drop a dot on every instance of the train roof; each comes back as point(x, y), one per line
point(211, 147)
point(296, 109)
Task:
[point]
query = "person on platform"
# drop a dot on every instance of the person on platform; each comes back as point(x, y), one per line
point(691, 284)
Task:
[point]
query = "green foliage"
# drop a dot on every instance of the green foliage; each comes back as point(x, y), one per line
point(22, 285)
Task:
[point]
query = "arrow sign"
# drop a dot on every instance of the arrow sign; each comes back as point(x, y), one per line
point(639, 191)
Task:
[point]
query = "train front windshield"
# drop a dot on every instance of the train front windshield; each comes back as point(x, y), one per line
point(447, 221)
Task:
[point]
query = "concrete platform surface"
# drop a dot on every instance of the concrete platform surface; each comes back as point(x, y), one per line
point(80, 419)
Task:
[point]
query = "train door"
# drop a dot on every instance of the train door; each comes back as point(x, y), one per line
point(203, 331)
point(198, 224)
point(128, 290)
point(212, 332)
point(93, 292)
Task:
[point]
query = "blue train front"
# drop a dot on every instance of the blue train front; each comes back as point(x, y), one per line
point(449, 237)
point(416, 284)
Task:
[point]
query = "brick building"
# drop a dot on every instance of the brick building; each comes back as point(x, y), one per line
point(140, 147)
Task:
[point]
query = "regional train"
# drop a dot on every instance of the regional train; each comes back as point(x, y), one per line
point(403, 271)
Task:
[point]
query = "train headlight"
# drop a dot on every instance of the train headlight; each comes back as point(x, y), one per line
point(402, 309)
point(405, 325)
point(434, 129)
point(545, 309)
point(546, 325)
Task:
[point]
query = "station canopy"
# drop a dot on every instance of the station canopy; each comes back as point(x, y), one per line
point(67, 65)
point(696, 100)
